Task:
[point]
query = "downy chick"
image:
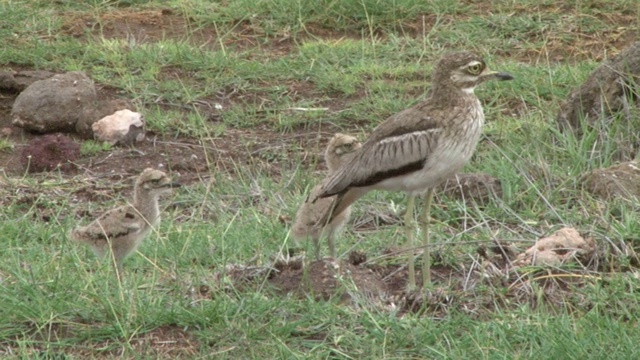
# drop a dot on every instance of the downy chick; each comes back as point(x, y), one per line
point(341, 149)
point(121, 230)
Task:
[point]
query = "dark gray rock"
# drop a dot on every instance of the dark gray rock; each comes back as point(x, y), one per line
point(54, 104)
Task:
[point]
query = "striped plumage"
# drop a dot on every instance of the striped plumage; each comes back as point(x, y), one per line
point(417, 148)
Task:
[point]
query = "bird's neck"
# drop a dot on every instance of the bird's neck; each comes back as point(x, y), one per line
point(333, 164)
point(147, 205)
point(449, 96)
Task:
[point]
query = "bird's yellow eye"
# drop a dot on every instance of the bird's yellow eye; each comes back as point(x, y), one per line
point(475, 69)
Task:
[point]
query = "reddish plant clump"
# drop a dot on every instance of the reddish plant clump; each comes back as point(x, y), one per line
point(49, 152)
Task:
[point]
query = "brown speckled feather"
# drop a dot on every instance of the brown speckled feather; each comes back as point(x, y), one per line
point(121, 230)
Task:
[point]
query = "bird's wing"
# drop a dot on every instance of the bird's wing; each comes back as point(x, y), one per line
point(398, 146)
point(119, 222)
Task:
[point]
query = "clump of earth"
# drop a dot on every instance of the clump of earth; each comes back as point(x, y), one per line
point(50, 152)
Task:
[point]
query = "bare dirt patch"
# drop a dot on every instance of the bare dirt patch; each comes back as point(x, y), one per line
point(164, 342)
point(143, 26)
point(326, 278)
point(488, 282)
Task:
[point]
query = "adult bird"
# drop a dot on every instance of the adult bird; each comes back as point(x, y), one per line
point(418, 148)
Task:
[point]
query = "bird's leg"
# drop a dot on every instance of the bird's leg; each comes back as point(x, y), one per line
point(409, 226)
point(330, 214)
point(426, 254)
point(115, 259)
point(316, 247)
point(332, 245)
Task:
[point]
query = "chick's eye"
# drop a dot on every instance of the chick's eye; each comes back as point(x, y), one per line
point(475, 69)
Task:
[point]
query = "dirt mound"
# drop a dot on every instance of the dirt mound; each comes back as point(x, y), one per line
point(612, 88)
point(620, 181)
point(490, 280)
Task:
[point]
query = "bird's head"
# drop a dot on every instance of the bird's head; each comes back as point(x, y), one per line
point(155, 182)
point(339, 146)
point(464, 70)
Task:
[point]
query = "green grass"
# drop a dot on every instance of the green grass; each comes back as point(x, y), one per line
point(6, 145)
point(358, 62)
point(92, 147)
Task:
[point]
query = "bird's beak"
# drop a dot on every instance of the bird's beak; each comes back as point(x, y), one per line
point(489, 74)
point(175, 185)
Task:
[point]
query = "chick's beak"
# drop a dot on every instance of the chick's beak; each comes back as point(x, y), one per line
point(171, 185)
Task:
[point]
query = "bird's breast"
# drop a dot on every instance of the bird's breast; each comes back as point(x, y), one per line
point(454, 150)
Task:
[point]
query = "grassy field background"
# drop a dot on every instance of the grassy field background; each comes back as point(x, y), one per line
point(233, 73)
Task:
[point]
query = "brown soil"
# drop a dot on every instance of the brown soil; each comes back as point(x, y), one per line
point(475, 287)
point(165, 342)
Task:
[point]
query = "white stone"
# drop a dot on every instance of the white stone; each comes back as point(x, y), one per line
point(123, 126)
point(560, 248)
